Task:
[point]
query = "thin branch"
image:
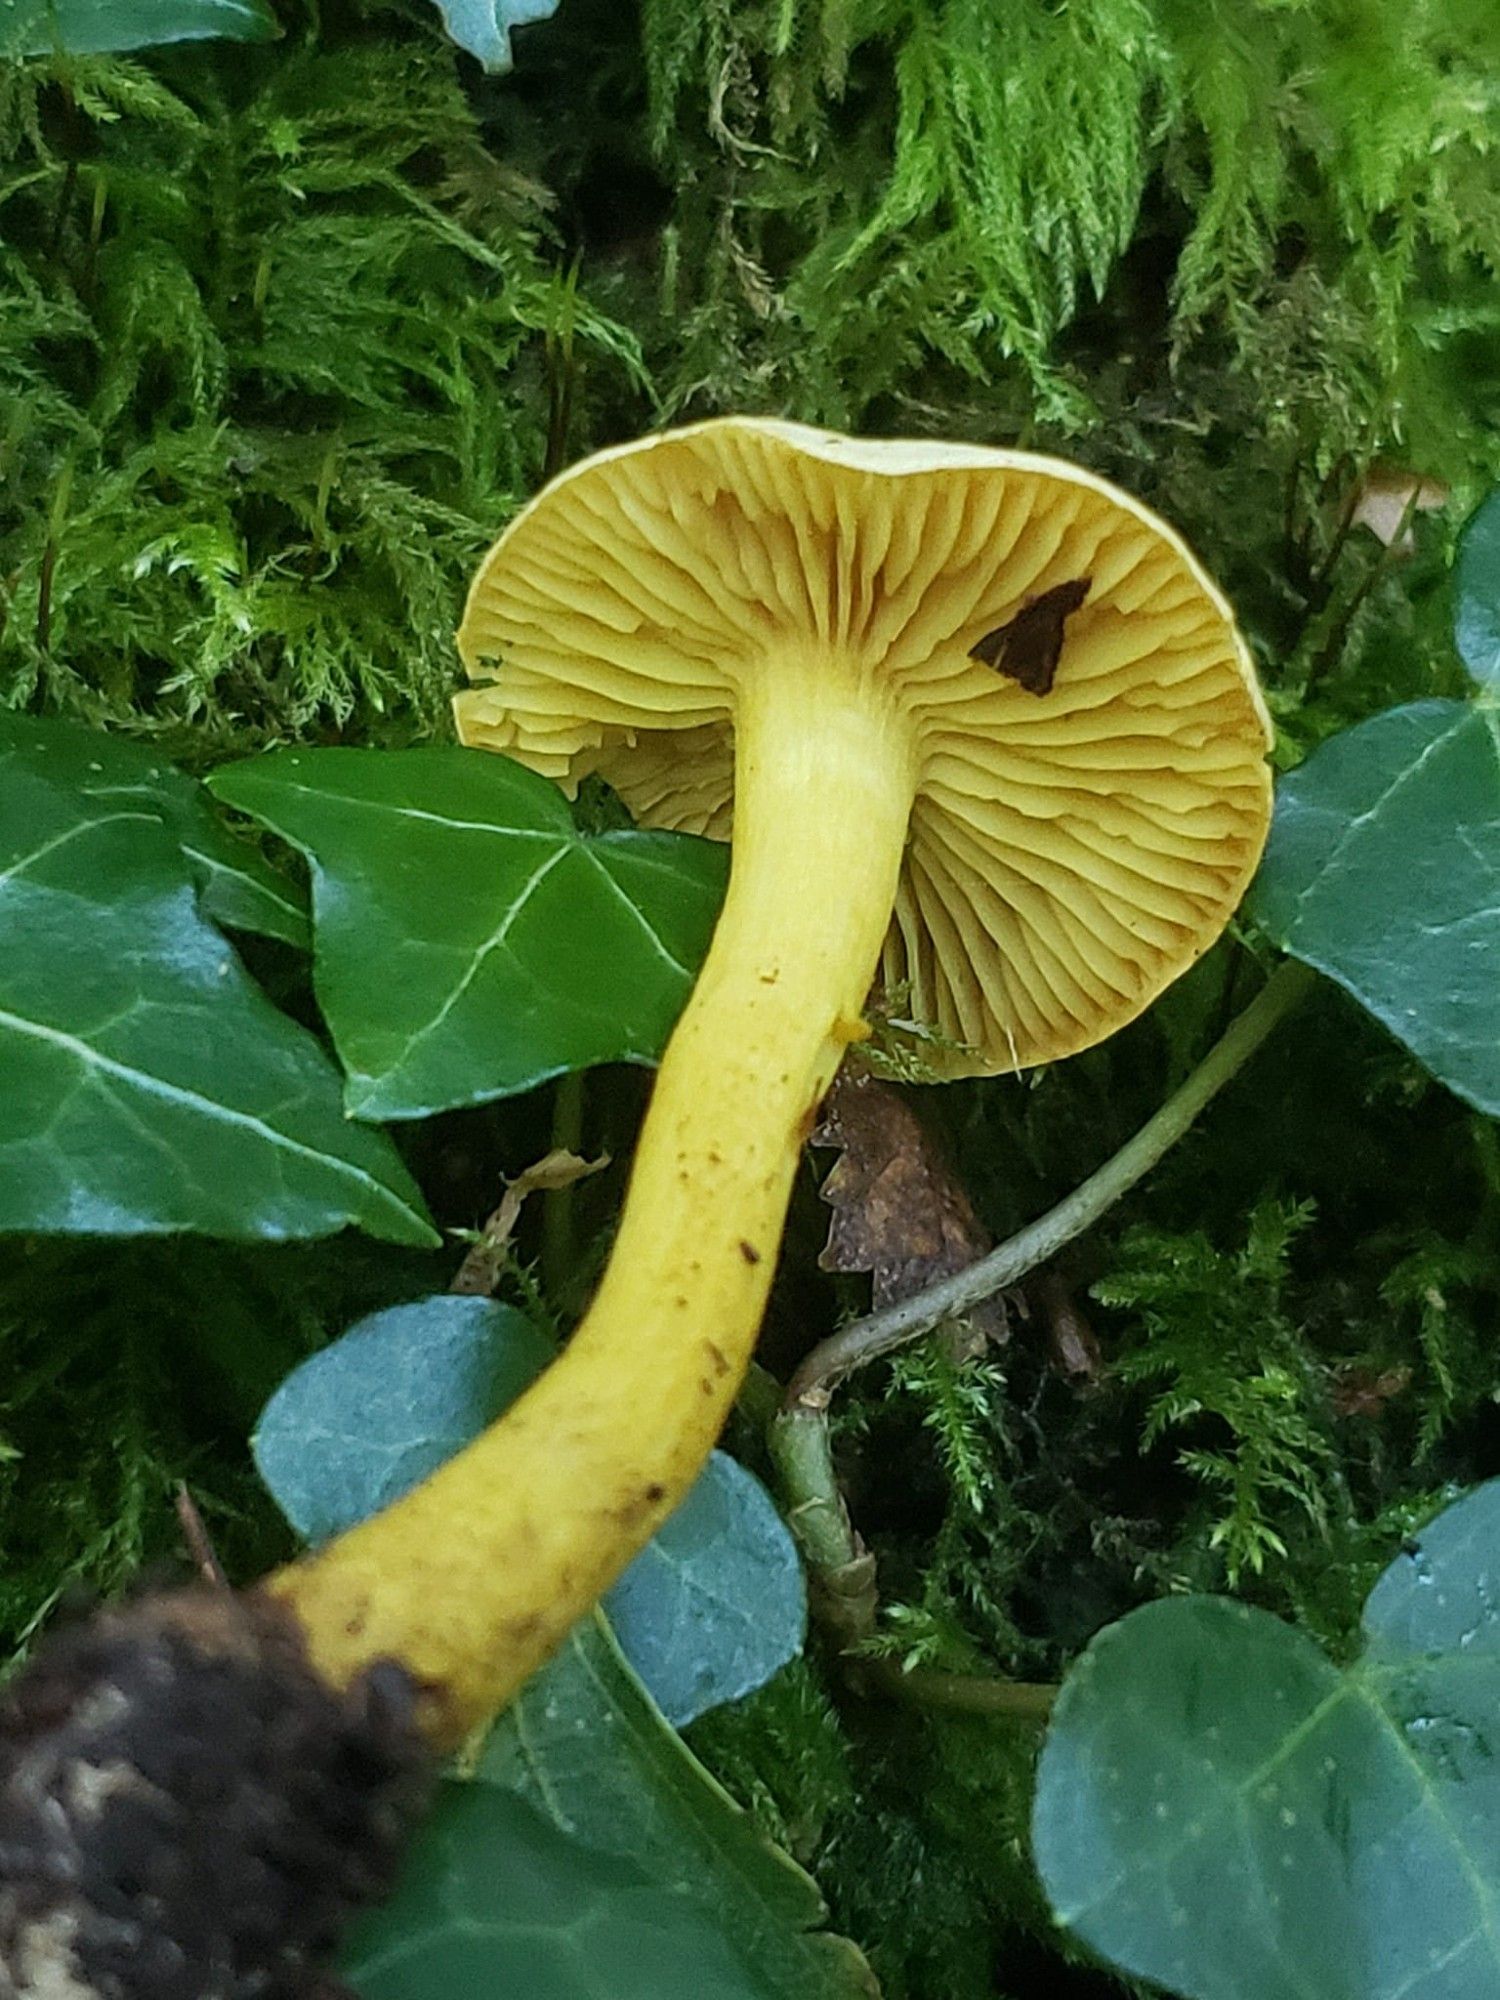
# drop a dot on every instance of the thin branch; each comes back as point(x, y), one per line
point(558, 1250)
point(865, 1340)
point(971, 1694)
point(199, 1543)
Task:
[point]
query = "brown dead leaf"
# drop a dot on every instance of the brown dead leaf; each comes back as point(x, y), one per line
point(1358, 1391)
point(1386, 499)
point(1071, 1341)
point(899, 1211)
point(479, 1274)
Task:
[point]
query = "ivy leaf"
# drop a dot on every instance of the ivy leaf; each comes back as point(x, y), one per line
point(1477, 626)
point(1383, 870)
point(101, 27)
point(237, 886)
point(470, 941)
point(146, 1083)
point(715, 1604)
point(707, 1612)
point(483, 26)
point(364, 1420)
point(1223, 1810)
point(496, 1901)
point(593, 1858)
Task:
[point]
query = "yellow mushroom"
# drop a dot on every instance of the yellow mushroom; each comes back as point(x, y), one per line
point(983, 726)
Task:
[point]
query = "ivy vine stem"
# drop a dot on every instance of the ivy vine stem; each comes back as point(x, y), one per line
point(880, 1333)
point(559, 1252)
point(840, 1569)
point(841, 1579)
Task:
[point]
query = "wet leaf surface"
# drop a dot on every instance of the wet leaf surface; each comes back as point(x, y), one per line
point(146, 1083)
point(1383, 871)
point(1222, 1809)
point(471, 942)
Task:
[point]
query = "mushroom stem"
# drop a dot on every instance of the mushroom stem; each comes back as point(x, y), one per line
point(473, 1578)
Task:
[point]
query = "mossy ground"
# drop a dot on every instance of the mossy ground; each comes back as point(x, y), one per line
point(284, 337)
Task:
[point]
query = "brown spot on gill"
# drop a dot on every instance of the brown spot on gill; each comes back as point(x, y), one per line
point(749, 1252)
point(717, 1356)
point(1029, 646)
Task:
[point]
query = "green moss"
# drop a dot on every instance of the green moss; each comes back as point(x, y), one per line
point(273, 360)
point(286, 334)
point(921, 182)
point(129, 1368)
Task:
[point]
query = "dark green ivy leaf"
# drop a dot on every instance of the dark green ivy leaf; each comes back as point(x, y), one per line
point(237, 886)
point(146, 1083)
point(1383, 870)
point(706, 1613)
point(593, 1858)
point(471, 942)
point(363, 1421)
point(715, 1603)
point(101, 27)
point(1477, 623)
point(1223, 1810)
point(495, 1901)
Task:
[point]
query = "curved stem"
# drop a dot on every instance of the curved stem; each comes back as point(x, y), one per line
point(882, 1332)
point(840, 1569)
point(475, 1576)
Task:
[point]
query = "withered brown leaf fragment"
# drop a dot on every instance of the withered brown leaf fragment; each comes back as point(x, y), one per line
point(899, 1210)
point(480, 1272)
point(1386, 500)
point(1360, 1391)
point(1072, 1344)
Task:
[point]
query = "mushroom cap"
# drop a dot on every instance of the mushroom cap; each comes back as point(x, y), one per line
point(1070, 852)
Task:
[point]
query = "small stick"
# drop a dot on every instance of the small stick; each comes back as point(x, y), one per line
point(199, 1544)
point(971, 1694)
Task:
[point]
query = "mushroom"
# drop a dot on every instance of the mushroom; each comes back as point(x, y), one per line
point(984, 726)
